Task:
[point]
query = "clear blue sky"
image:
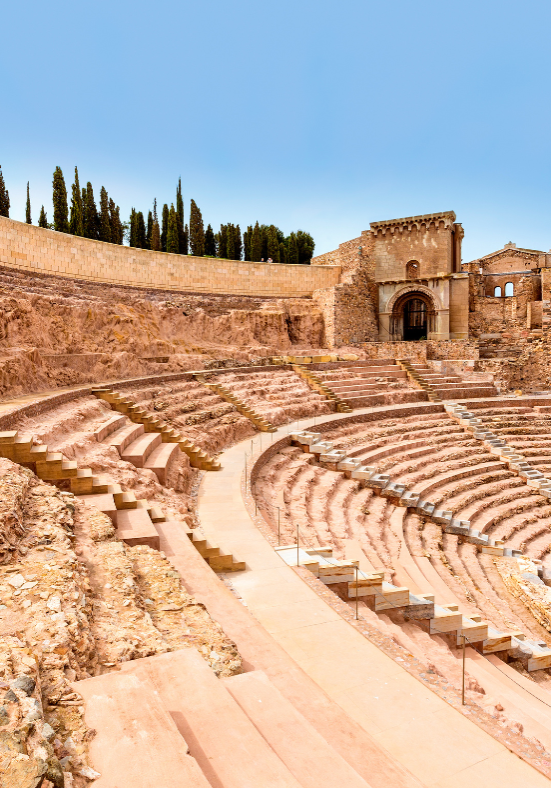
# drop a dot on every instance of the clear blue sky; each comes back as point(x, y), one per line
point(313, 115)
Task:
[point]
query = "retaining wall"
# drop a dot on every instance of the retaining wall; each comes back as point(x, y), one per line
point(29, 248)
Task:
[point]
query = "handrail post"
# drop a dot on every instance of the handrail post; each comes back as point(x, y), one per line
point(463, 678)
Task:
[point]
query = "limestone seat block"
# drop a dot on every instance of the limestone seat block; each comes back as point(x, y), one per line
point(137, 742)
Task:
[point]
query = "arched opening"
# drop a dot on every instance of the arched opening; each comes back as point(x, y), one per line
point(497, 292)
point(412, 269)
point(413, 317)
point(509, 289)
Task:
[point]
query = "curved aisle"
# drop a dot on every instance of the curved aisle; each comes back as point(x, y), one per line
point(403, 718)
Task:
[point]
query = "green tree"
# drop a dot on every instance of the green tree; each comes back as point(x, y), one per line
point(180, 202)
point(222, 238)
point(28, 207)
point(43, 218)
point(292, 249)
point(164, 226)
point(210, 242)
point(133, 228)
point(306, 247)
point(104, 217)
point(256, 244)
point(231, 242)
point(61, 209)
point(91, 218)
point(76, 223)
point(149, 230)
point(247, 239)
point(172, 243)
point(117, 230)
point(141, 240)
point(155, 241)
point(238, 242)
point(272, 244)
point(196, 231)
point(282, 253)
point(4, 197)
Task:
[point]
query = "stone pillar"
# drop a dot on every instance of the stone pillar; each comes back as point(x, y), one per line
point(384, 326)
point(442, 325)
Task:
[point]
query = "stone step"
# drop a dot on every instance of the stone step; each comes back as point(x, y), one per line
point(160, 459)
point(307, 755)
point(104, 502)
point(125, 436)
point(227, 746)
point(111, 425)
point(137, 742)
point(139, 450)
point(134, 526)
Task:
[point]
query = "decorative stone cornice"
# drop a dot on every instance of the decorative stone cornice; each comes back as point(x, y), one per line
point(407, 223)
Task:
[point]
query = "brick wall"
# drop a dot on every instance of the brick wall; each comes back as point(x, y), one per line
point(35, 249)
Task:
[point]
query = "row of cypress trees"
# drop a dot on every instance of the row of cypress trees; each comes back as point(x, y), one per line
point(84, 218)
point(258, 242)
point(170, 234)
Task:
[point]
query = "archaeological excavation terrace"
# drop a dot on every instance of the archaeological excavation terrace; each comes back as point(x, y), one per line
point(275, 526)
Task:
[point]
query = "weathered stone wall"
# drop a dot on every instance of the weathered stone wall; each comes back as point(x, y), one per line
point(35, 249)
point(429, 240)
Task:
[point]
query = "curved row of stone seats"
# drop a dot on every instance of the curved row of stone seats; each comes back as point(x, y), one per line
point(198, 458)
point(280, 395)
point(368, 383)
point(316, 384)
point(240, 405)
point(396, 493)
point(447, 386)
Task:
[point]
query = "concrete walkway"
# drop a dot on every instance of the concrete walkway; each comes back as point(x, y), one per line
point(424, 734)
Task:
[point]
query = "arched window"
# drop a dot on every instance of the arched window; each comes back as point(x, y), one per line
point(497, 292)
point(509, 289)
point(412, 269)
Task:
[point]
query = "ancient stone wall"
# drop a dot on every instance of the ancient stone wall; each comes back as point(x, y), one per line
point(35, 249)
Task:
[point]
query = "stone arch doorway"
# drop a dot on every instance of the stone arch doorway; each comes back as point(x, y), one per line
point(413, 317)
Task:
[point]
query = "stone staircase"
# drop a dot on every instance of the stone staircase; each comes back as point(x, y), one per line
point(168, 720)
point(368, 383)
point(240, 405)
point(322, 388)
point(197, 457)
point(448, 386)
point(419, 380)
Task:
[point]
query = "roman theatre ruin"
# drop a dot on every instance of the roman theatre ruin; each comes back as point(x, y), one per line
point(275, 526)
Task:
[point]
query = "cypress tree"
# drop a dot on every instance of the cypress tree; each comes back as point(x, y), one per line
point(43, 219)
point(28, 207)
point(264, 231)
point(231, 242)
point(76, 223)
point(4, 197)
point(256, 244)
point(133, 233)
point(104, 218)
point(282, 252)
point(91, 218)
point(272, 244)
point(61, 209)
point(180, 203)
point(172, 244)
point(155, 242)
point(164, 226)
point(141, 239)
point(210, 242)
point(238, 242)
point(196, 231)
point(292, 249)
point(115, 224)
point(149, 230)
point(223, 241)
point(247, 240)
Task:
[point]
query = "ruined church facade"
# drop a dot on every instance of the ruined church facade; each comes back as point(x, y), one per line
point(401, 280)
point(404, 279)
